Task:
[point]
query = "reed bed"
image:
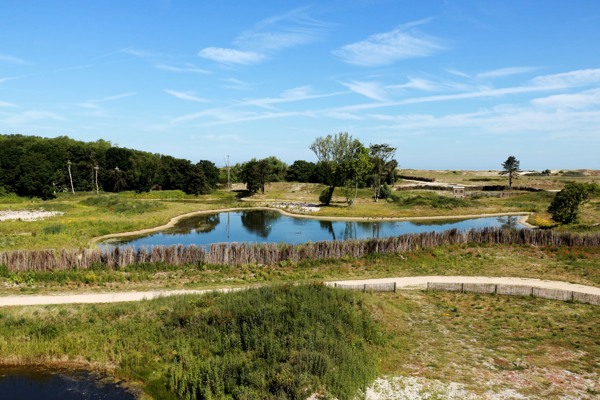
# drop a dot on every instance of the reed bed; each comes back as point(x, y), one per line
point(273, 253)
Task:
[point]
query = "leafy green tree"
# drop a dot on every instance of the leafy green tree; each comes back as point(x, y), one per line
point(381, 155)
point(510, 167)
point(277, 169)
point(211, 172)
point(196, 182)
point(251, 175)
point(564, 208)
point(300, 171)
point(342, 156)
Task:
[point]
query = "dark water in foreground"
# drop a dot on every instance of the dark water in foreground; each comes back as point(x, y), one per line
point(32, 384)
point(273, 227)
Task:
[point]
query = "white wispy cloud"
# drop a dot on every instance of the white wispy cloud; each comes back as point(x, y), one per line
point(139, 52)
point(238, 84)
point(13, 60)
point(94, 103)
point(296, 94)
point(7, 104)
point(388, 47)
point(501, 72)
point(187, 68)
point(280, 32)
point(189, 96)
point(268, 36)
point(231, 56)
point(576, 78)
point(372, 90)
point(585, 99)
point(27, 117)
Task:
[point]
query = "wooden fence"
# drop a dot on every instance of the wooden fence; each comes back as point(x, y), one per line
point(274, 253)
point(516, 290)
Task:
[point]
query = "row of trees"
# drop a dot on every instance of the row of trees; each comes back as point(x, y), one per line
point(42, 167)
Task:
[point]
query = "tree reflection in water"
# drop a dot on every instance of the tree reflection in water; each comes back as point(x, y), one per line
point(201, 224)
point(328, 226)
point(259, 222)
point(508, 222)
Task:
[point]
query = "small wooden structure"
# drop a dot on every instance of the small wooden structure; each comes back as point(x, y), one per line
point(458, 191)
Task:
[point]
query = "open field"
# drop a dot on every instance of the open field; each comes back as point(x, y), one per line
point(490, 346)
point(525, 347)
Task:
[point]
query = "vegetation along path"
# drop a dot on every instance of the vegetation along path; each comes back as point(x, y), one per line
point(415, 282)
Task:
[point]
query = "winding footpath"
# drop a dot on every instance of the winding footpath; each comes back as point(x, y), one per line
point(414, 282)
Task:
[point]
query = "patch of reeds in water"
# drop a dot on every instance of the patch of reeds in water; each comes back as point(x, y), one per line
point(273, 253)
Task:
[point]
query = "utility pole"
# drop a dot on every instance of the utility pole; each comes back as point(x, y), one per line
point(70, 176)
point(228, 174)
point(96, 168)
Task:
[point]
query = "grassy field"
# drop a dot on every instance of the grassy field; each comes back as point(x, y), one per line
point(488, 344)
point(301, 340)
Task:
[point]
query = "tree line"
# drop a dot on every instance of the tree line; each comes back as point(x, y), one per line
point(32, 166)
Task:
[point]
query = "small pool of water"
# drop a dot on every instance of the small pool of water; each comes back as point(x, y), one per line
point(22, 383)
point(271, 226)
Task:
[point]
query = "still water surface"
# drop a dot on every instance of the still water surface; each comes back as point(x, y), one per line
point(32, 384)
point(271, 226)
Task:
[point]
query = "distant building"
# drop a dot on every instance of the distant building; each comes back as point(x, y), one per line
point(458, 191)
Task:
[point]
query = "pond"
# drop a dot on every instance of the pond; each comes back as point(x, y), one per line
point(272, 226)
point(22, 383)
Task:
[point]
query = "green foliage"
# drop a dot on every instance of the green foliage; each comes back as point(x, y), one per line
point(120, 205)
point(38, 167)
point(53, 229)
point(301, 171)
point(564, 208)
point(285, 342)
point(343, 157)
point(326, 195)
point(510, 167)
point(431, 200)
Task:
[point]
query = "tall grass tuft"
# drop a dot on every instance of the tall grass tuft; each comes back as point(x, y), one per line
point(286, 342)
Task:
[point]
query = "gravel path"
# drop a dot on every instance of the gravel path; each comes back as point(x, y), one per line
point(417, 282)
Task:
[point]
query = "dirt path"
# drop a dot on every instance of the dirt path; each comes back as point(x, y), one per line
point(416, 282)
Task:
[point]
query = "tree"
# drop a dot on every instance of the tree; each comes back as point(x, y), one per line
point(381, 155)
point(510, 167)
point(341, 155)
point(256, 174)
point(564, 208)
point(300, 171)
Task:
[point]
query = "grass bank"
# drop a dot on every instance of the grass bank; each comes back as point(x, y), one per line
point(278, 342)
point(290, 342)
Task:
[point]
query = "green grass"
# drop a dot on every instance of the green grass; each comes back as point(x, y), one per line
point(540, 349)
point(279, 342)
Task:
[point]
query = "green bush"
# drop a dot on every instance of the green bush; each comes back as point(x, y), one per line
point(285, 342)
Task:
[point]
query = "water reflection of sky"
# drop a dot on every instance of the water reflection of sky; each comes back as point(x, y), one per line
point(271, 226)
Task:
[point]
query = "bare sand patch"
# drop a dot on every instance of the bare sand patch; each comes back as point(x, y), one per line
point(27, 215)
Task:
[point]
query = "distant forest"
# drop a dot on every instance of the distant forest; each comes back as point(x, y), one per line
point(39, 167)
point(32, 166)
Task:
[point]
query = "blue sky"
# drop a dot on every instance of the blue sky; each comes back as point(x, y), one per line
point(452, 84)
